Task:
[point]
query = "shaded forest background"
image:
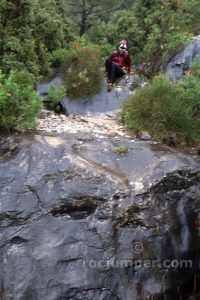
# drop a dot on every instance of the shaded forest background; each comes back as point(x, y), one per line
point(31, 30)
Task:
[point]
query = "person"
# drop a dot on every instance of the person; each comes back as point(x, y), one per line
point(118, 64)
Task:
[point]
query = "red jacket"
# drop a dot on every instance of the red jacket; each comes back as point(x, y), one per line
point(122, 59)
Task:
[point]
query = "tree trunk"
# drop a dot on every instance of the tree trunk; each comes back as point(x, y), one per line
point(83, 18)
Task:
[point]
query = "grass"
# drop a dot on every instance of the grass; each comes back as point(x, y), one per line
point(121, 150)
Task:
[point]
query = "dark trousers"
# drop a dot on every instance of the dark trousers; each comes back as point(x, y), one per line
point(113, 70)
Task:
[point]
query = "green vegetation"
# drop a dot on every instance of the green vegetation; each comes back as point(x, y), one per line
point(82, 75)
point(39, 37)
point(19, 102)
point(167, 109)
point(121, 150)
point(58, 57)
point(155, 31)
point(87, 13)
point(30, 30)
point(54, 97)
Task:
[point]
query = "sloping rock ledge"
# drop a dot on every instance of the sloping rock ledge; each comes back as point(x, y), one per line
point(78, 220)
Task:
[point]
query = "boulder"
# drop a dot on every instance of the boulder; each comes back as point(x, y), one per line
point(102, 102)
point(183, 60)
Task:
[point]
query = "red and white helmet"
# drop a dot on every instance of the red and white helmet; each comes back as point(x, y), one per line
point(123, 44)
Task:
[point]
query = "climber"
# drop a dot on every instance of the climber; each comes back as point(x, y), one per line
point(118, 64)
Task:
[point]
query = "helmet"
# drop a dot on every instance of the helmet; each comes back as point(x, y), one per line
point(123, 44)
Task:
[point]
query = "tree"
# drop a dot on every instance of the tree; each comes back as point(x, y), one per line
point(165, 30)
point(192, 10)
point(17, 45)
point(88, 11)
point(30, 29)
point(124, 4)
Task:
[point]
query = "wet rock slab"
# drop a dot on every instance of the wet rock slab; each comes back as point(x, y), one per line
point(102, 102)
point(71, 212)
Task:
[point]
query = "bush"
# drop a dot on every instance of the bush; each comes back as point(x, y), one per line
point(162, 108)
point(58, 57)
point(121, 150)
point(99, 35)
point(191, 86)
point(82, 74)
point(19, 102)
point(30, 30)
point(54, 97)
point(161, 46)
point(96, 34)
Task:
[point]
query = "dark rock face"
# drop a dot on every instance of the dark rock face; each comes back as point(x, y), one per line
point(102, 102)
point(79, 221)
point(182, 61)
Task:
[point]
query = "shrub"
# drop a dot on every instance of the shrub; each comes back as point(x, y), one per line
point(19, 102)
point(30, 30)
point(96, 34)
point(58, 57)
point(99, 35)
point(162, 108)
point(55, 96)
point(191, 86)
point(82, 74)
point(121, 150)
point(161, 46)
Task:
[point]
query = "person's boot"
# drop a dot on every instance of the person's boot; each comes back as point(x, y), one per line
point(110, 86)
